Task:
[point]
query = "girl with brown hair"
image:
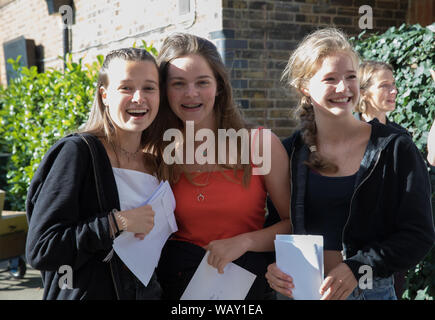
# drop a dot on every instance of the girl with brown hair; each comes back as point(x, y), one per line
point(220, 204)
point(84, 192)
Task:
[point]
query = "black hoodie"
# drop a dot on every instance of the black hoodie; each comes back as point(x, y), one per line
point(390, 224)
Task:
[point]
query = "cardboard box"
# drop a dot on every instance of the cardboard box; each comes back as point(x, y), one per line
point(12, 245)
point(13, 221)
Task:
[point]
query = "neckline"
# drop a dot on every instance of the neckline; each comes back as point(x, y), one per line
point(133, 171)
point(214, 171)
point(315, 173)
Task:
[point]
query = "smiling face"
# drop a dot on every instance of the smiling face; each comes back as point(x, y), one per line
point(192, 90)
point(334, 88)
point(381, 95)
point(132, 94)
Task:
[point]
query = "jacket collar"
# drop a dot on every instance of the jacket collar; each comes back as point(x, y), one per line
point(380, 137)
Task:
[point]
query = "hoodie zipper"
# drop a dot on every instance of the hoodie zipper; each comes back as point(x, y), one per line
point(353, 196)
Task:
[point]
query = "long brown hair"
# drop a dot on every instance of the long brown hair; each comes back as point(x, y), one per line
point(302, 65)
point(227, 114)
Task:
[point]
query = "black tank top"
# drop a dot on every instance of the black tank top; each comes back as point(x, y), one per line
point(327, 204)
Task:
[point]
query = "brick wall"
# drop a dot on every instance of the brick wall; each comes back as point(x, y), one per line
point(29, 18)
point(254, 37)
point(102, 25)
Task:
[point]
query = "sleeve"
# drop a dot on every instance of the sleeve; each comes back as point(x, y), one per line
point(61, 231)
point(413, 235)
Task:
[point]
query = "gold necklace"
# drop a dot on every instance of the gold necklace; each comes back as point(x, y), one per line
point(200, 196)
point(125, 152)
point(129, 154)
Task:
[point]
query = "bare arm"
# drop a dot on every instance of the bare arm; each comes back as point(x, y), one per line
point(277, 183)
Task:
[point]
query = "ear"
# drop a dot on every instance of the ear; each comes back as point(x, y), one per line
point(103, 93)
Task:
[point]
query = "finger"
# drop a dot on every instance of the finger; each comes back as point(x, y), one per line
point(221, 267)
point(326, 284)
point(274, 271)
point(337, 292)
point(334, 291)
point(140, 236)
point(327, 294)
point(280, 284)
point(210, 258)
point(283, 291)
point(344, 294)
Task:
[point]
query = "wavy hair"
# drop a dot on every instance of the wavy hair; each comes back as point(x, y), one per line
point(302, 65)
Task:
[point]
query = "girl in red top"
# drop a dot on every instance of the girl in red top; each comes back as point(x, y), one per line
point(220, 207)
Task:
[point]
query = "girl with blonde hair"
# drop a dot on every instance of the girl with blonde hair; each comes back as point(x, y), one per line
point(378, 92)
point(363, 186)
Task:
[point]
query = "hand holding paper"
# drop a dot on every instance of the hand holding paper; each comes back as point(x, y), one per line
point(224, 251)
point(338, 284)
point(208, 284)
point(142, 256)
point(301, 257)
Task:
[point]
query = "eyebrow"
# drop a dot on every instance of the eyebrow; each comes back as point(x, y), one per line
point(129, 80)
point(182, 78)
point(334, 72)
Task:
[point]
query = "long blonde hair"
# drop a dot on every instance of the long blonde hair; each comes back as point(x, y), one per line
point(302, 65)
point(366, 71)
point(227, 114)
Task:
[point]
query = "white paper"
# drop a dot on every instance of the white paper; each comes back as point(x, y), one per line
point(301, 257)
point(142, 256)
point(208, 284)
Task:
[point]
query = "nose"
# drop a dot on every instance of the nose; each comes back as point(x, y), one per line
point(191, 91)
point(137, 97)
point(394, 90)
point(341, 86)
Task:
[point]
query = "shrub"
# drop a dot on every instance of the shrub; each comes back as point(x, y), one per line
point(36, 110)
point(410, 49)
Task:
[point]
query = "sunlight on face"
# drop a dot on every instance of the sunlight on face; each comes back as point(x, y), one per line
point(334, 88)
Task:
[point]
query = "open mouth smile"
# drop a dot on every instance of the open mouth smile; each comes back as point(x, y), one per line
point(137, 112)
point(341, 100)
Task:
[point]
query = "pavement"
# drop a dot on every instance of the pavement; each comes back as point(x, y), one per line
point(28, 288)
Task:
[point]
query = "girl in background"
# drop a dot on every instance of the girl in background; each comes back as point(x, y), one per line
point(378, 92)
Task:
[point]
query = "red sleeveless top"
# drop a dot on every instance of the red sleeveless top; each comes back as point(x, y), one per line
point(219, 208)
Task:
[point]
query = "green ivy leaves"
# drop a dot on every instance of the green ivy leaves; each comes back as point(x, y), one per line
point(410, 49)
